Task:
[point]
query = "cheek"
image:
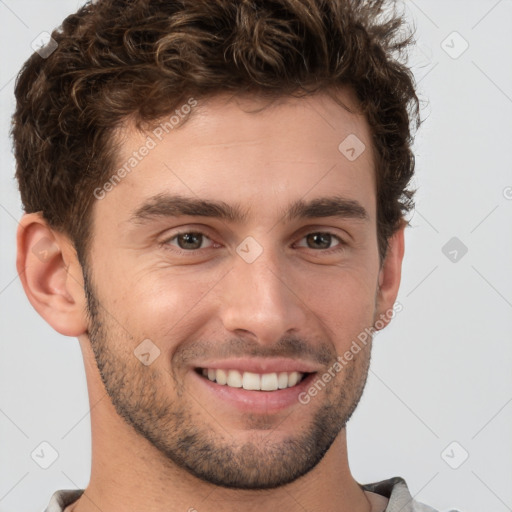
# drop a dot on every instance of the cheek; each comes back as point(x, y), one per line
point(343, 300)
point(159, 304)
point(163, 303)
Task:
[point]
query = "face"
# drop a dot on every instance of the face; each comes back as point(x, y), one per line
point(189, 300)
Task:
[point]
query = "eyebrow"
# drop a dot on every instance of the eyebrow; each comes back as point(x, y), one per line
point(167, 205)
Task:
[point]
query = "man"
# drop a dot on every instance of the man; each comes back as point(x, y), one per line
point(215, 195)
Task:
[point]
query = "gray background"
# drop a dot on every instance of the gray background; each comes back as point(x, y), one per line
point(441, 372)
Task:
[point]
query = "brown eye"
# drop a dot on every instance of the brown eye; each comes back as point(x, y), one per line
point(187, 241)
point(321, 240)
point(190, 241)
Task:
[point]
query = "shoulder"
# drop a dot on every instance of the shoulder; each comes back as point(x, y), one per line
point(61, 499)
point(399, 496)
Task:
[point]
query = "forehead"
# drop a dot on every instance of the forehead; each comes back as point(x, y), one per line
point(247, 148)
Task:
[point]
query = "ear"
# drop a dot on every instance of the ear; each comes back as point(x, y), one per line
point(51, 275)
point(389, 278)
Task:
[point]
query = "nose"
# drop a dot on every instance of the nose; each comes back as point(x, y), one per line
point(262, 299)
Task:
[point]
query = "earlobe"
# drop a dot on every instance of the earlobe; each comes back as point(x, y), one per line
point(51, 275)
point(389, 277)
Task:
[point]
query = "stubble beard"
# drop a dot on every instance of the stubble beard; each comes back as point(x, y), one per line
point(142, 398)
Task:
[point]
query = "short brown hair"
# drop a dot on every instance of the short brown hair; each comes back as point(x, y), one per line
point(139, 59)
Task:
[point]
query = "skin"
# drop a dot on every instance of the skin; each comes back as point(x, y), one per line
point(294, 300)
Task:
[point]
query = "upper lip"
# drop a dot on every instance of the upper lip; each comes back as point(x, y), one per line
point(261, 365)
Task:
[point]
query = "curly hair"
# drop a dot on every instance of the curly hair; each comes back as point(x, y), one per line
point(138, 59)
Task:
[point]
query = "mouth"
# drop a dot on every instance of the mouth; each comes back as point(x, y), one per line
point(253, 385)
point(251, 381)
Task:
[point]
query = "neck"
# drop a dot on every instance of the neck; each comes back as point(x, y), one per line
point(124, 480)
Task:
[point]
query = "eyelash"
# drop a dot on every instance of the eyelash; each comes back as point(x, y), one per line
point(193, 252)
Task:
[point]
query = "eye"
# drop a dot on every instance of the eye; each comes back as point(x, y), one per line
point(187, 241)
point(192, 241)
point(323, 240)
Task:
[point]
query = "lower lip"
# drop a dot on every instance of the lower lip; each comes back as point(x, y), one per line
point(257, 401)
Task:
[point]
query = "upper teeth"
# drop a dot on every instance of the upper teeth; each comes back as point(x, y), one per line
point(253, 381)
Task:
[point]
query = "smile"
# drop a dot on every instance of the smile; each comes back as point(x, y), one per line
point(253, 381)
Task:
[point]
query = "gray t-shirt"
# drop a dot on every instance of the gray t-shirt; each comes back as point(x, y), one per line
point(395, 489)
